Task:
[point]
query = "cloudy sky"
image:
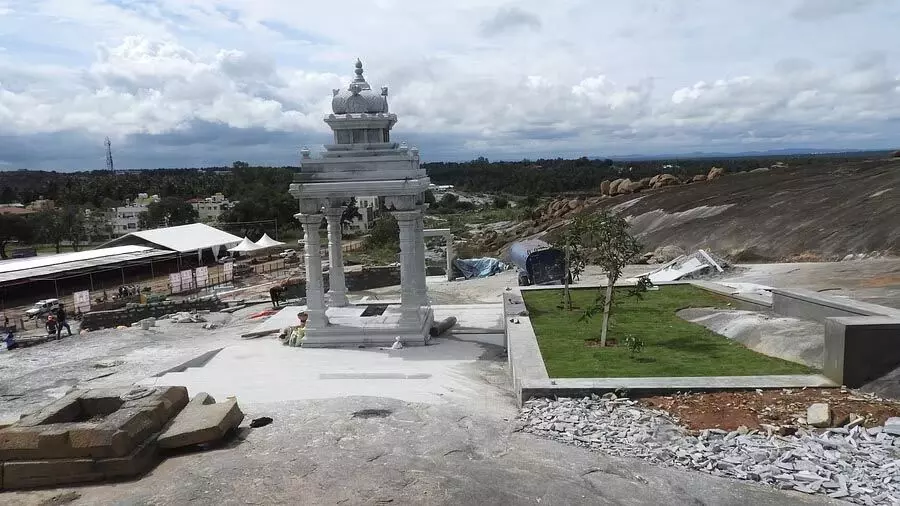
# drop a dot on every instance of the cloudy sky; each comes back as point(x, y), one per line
point(205, 82)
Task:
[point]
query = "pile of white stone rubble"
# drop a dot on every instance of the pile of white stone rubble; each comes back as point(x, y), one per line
point(852, 462)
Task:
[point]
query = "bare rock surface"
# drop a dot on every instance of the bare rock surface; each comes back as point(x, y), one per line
point(852, 463)
point(366, 451)
point(778, 336)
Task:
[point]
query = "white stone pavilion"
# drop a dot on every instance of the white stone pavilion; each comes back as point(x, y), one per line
point(362, 161)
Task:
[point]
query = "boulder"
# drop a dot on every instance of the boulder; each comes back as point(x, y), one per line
point(624, 186)
point(614, 186)
point(634, 187)
point(653, 180)
point(699, 178)
point(203, 420)
point(714, 173)
point(573, 204)
point(604, 187)
point(666, 180)
point(761, 169)
point(819, 415)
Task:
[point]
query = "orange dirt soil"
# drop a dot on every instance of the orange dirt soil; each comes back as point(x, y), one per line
point(730, 410)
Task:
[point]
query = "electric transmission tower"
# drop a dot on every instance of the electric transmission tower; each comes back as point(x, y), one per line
point(109, 160)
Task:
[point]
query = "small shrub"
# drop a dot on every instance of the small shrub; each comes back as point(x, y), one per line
point(634, 346)
point(640, 288)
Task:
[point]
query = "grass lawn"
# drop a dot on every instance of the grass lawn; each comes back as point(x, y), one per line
point(672, 346)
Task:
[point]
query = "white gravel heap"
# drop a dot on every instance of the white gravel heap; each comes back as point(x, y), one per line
point(852, 463)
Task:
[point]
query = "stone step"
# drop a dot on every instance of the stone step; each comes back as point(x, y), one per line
point(203, 420)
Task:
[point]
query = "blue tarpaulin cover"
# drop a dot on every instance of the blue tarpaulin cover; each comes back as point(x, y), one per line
point(479, 267)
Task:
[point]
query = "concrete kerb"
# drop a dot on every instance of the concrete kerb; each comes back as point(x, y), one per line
point(530, 377)
point(526, 365)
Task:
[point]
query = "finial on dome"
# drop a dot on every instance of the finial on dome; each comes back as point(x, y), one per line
point(359, 70)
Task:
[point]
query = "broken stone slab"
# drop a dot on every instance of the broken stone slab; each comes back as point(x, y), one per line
point(819, 415)
point(892, 426)
point(203, 420)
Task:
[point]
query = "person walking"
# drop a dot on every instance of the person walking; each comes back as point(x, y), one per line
point(61, 321)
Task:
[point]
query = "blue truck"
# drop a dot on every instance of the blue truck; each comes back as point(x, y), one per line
point(538, 263)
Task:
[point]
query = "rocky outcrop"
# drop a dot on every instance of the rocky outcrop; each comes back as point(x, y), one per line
point(699, 178)
point(665, 180)
point(715, 173)
point(604, 187)
point(624, 186)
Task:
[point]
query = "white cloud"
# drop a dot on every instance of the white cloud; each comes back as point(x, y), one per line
point(566, 77)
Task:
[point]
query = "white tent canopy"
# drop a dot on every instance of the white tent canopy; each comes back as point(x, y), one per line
point(244, 246)
point(267, 242)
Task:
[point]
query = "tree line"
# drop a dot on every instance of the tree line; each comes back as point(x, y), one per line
point(82, 198)
point(553, 176)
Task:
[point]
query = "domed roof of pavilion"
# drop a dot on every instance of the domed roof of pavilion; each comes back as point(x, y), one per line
point(359, 97)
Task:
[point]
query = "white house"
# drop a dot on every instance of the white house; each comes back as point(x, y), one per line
point(368, 208)
point(124, 219)
point(210, 208)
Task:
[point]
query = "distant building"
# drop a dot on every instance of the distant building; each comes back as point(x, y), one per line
point(125, 219)
point(40, 205)
point(209, 209)
point(146, 200)
point(439, 190)
point(368, 209)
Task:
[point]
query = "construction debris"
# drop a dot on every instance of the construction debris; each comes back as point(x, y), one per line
point(187, 318)
point(852, 463)
point(691, 266)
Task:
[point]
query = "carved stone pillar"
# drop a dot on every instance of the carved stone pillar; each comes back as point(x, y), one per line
point(449, 238)
point(315, 291)
point(409, 293)
point(421, 286)
point(337, 284)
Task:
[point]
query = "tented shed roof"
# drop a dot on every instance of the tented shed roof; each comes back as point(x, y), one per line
point(183, 238)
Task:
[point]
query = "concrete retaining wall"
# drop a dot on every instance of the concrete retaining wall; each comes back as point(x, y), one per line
point(95, 320)
point(814, 306)
point(860, 349)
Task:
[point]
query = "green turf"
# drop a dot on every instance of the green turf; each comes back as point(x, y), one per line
point(672, 346)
